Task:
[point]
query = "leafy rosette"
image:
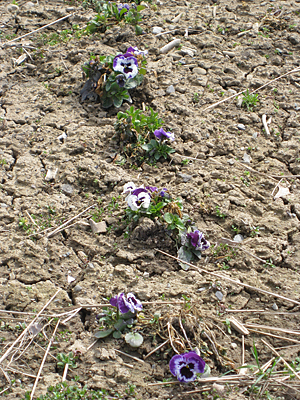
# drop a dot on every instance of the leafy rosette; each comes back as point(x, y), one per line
point(111, 78)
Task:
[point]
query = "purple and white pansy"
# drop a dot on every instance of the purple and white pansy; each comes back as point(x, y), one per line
point(185, 366)
point(128, 187)
point(139, 198)
point(127, 64)
point(198, 240)
point(161, 134)
point(126, 303)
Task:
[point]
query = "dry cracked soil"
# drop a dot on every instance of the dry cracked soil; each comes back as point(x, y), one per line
point(238, 182)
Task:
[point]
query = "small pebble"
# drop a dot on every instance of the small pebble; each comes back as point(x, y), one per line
point(12, 8)
point(246, 158)
point(241, 127)
point(275, 307)
point(170, 89)
point(238, 238)
point(77, 288)
point(219, 295)
point(199, 71)
point(66, 188)
point(156, 30)
point(233, 345)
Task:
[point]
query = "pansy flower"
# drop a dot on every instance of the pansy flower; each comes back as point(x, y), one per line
point(127, 64)
point(128, 187)
point(139, 198)
point(163, 191)
point(134, 50)
point(186, 366)
point(126, 304)
point(123, 5)
point(198, 240)
point(120, 79)
point(161, 134)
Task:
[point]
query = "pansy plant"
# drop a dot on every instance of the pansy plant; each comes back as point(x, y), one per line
point(157, 147)
point(158, 204)
point(122, 317)
point(111, 78)
point(193, 243)
point(141, 136)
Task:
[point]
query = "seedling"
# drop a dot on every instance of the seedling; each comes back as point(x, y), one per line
point(219, 213)
point(64, 359)
point(249, 100)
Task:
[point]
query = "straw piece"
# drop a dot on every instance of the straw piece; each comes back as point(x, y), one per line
point(201, 270)
point(130, 356)
point(272, 328)
point(274, 336)
point(278, 355)
point(5, 355)
point(157, 348)
point(44, 359)
point(37, 30)
point(67, 223)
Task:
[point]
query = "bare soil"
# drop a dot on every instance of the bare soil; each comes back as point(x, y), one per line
point(225, 169)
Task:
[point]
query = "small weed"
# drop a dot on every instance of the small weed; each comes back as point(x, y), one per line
point(228, 325)
point(219, 213)
point(185, 162)
point(196, 98)
point(249, 100)
point(3, 161)
point(23, 224)
point(254, 231)
point(269, 263)
point(235, 229)
point(72, 391)
point(64, 359)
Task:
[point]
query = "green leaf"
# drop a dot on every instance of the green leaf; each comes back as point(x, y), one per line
point(184, 255)
point(117, 334)
point(120, 324)
point(131, 83)
point(123, 11)
point(104, 333)
point(140, 8)
point(107, 102)
point(168, 218)
point(117, 101)
point(147, 147)
point(134, 339)
point(157, 156)
point(197, 253)
point(143, 71)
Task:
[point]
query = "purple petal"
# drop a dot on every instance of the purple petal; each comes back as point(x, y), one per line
point(114, 301)
point(175, 363)
point(122, 306)
point(151, 188)
point(194, 237)
point(161, 134)
point(137, 191)
point(195, 362)
point(134, 301)
point(128, 306)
